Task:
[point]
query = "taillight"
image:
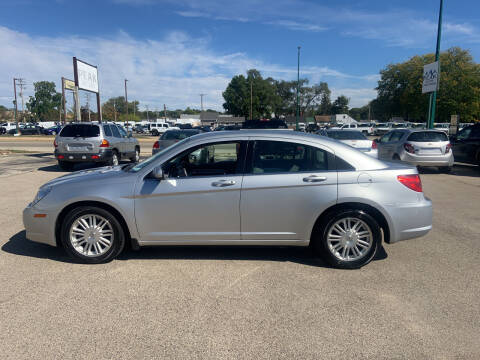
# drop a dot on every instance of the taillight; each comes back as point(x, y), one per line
point(374, 145)
point(409, 148)
point(105, 143)
point(448, 148)
point(55, 143)
point(413, 182)
point(156, 145)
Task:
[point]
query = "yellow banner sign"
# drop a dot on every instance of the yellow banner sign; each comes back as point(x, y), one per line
point(69, 84)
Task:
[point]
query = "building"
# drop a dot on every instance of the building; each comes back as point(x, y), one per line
point(209, 118)
point(230, 120)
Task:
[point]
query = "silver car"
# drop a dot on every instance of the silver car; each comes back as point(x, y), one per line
point(353, 138)
point(171, 137)
point(106, 143)
point(251, 187)
point(417, 147)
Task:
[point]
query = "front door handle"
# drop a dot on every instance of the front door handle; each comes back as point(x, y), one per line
point(223, 183)
point(314, 178)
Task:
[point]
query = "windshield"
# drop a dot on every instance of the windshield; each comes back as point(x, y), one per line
point(346, 135)
point(78, 130)
point(428, 136)
point(153, 158)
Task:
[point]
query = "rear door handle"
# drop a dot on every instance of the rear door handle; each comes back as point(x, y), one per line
point(223, 183)
point(314, 178)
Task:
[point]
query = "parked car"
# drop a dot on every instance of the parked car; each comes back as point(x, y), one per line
point(171, 137)
point(417, 147)
point(204, 128)
point(184, 126)
point(227, 127)
point(28, 129)
point(159, 128)
point(265, 124)
point(54, 130)
point(466, 144)
point(353, 138)
point(106, 143)
point(366, 128)
point(311, 128)
point(236, 187)
point(382, 128)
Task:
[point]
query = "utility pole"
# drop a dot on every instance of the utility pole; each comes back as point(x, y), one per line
point(63, 102)
point(114, 110)
point(165, 112)
point(298, 90)
point(16, 107)
point(201, 101)
point(21, 84)
point(433, 96)
point(251, 99)
point(87, 96)
point(126, 100)
point(147, 112)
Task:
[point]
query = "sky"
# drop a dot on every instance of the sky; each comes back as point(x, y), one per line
point(171, 51)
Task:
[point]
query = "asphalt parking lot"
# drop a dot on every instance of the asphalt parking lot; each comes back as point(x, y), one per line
point(418, 300)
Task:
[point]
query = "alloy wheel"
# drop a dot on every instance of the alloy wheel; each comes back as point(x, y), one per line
point(91, 235)
point(349, 239)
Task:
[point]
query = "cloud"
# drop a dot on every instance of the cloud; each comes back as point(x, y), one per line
point(394, 27)
point(171, 71)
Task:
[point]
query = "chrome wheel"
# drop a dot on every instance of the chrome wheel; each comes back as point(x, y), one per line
point(137, 156)
point(91, 235)
point(349, 239)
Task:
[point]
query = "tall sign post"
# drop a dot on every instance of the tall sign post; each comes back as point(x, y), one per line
point(433, 95)
point(126, 100)
point(67, 85)
point(86, 78)
point(298, 91)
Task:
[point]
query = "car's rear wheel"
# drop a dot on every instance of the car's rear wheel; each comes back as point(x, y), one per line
point(92, 235)
point(114, 160)
point(65, 165)
point(349, 239)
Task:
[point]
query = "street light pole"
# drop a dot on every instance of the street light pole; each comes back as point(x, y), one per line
point(433, 96)
point(298, 90)
point(126, 100)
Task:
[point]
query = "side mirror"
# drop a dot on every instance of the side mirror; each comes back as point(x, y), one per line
point(158, 174)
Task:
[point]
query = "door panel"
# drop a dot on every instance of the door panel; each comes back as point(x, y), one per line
point(288, 185)
point(188, 209)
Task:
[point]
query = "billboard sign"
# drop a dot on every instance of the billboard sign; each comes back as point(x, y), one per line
point(431, 77)
point(86, 76)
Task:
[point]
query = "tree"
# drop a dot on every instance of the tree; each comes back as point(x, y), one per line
point(117, 105)
point(340, 105)
point(46, 102)
point(360, 113)
point(325, 107)
point(400, 88)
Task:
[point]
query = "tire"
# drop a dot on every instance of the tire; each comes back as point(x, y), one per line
point(65, 165)
point(324, 240)
point(136, 158)
point(114, 160)
point(155, 133)
point(101, 249)
point(396, 157)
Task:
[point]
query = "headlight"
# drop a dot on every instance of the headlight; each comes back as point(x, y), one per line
point(42, 192)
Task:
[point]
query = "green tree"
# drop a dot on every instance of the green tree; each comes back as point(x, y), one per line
point(117, 105)
point(400, 88)
point(46, 102)
point(340, 105)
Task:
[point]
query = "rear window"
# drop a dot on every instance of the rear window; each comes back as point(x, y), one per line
point(85, 131)
point(427, 136)
point(346, 135)
point(178, 135)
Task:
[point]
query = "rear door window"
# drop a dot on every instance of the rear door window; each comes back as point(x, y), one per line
point(115, 131)
point(270, 157)
point(107, 130)
point(428, 136)
point(396, 136)
point(77, 130)
point(385, 138)
point(122, 131)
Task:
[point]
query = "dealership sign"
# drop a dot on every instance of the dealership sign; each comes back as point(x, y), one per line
point(86, 75)
point(431, 77)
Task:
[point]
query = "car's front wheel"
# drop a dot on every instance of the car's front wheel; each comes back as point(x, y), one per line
point(92, 235)
point(349, 239)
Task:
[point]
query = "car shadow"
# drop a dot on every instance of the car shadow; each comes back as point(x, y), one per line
point(458, 169)
point(18, 244)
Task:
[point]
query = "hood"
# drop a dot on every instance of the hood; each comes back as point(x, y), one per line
point(107, 172)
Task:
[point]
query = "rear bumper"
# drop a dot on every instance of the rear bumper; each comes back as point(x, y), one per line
point(410, 220)
point(435, 160)
point(102, 156)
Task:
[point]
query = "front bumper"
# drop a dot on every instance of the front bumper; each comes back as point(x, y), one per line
point(410, 220)
point(39, 229)
point(101, 156)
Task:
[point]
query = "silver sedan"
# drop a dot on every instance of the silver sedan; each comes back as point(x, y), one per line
point(252, 187)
